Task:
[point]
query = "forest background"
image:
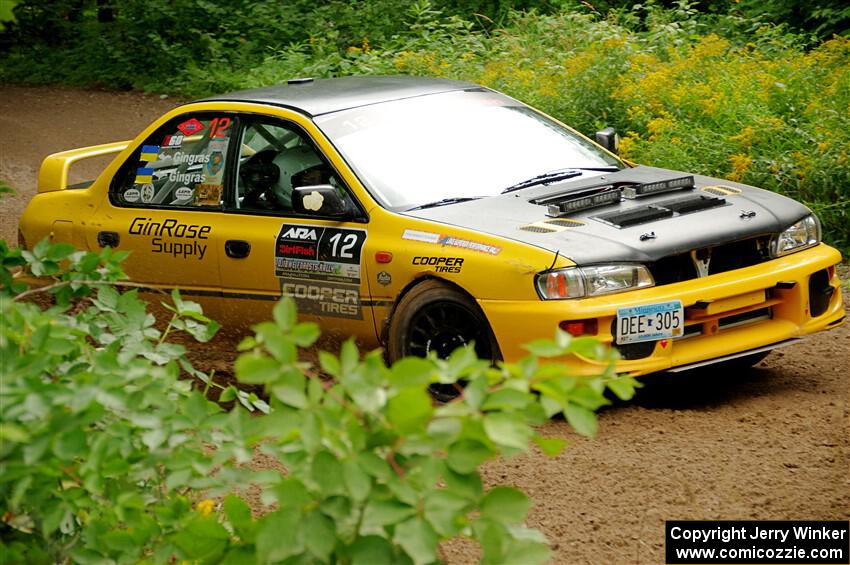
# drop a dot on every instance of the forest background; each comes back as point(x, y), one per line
point(749, 90)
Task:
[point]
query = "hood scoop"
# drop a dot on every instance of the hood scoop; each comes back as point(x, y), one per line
point(661, 210)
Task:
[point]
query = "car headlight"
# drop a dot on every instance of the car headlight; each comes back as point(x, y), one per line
point(802, 234)
point(577, 282)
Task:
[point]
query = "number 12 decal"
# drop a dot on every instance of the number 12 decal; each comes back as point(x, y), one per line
point(218, 127)
point(340, 245)
point(349, 242)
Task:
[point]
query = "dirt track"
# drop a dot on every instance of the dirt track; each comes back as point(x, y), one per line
point(771, 443)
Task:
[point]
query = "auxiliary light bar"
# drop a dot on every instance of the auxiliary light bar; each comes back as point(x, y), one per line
point(584, 201)
point(650, 188)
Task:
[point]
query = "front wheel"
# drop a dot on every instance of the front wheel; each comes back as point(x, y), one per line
point(436, 317)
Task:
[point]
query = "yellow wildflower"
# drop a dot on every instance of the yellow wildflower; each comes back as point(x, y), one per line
point(711, 46)
point(628, 143)
point(740, 163)
point(659, 126)
point(745, 137)
point(205, 507)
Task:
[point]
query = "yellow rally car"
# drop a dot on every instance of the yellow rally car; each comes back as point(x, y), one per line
point(424, 214)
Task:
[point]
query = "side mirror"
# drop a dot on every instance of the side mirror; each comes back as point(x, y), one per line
point(609, 139)
point(320, 199)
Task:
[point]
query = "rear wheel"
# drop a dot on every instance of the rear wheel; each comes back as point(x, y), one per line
point(436, 317)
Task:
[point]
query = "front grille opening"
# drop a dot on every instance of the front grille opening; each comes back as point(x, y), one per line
point(727, 257)
point(820, 293)
point(744, 318)
point(691, 331)
point(739, 254)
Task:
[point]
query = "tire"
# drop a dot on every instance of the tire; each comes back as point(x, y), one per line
point(434, 316)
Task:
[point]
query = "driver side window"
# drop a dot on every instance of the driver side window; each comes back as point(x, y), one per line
point(273, 160)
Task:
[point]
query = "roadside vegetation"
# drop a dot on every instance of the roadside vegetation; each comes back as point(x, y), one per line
point(110, 450)
point(757, 92)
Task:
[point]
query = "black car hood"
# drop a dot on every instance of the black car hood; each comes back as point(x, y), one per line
point(744, 212)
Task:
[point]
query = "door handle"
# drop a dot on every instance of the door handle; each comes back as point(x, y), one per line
point(108, 238)
point(237, 248)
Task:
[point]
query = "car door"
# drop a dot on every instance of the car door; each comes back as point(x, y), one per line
point(165, 206)
point(270, 250)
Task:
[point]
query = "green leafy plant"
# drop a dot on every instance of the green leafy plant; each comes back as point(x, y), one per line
point(377, 473)
point(107, 454)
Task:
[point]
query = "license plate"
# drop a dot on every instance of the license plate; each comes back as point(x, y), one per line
point(650, 322)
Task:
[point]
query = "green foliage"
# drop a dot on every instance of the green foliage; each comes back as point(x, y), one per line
point(107, 454)
point(7, 16)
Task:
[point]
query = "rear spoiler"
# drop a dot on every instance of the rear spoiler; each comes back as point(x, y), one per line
point(54, 169)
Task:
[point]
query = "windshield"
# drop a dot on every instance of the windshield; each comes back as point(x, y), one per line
point(455, 145)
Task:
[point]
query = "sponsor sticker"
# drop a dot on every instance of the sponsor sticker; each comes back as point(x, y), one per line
point(149, 153)
point(319, 267)
point(440, 264)
point(131, 195)
point(147, 193)
point(190, 127)
point(184, 193)
point(172, 141)
point(319, 253)
point(415, 235)
point(207, 194)
point(144, 175)
point(214, 169)
point(324, 298)
point(472, 245)
point(450, 241)
point(173, 237)
point(384, 278)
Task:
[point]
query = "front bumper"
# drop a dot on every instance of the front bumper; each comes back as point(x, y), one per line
point(726, 313)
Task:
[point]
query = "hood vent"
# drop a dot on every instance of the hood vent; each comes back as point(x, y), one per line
point(538, 229)
point(721, 190)
point(551, 226)
point(691, 203)
point(636, 216)
point(660, 210)
point(564, 223)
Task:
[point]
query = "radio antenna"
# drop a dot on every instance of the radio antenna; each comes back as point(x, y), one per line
point(555, 260)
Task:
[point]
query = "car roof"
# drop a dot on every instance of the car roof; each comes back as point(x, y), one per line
point(321, 96)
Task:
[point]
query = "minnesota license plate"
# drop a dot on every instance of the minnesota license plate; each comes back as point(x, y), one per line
point(650, 322)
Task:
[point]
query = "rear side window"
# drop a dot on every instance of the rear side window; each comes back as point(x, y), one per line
point(182, 165)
